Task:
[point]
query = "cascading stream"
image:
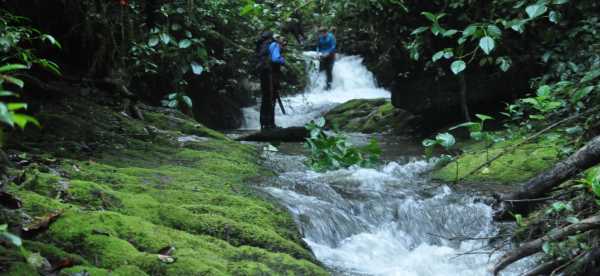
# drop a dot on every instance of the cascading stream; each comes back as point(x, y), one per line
point(383, 221)
point(351, 80)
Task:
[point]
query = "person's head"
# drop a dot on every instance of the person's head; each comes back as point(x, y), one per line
point(266, 35)
point(323, 31)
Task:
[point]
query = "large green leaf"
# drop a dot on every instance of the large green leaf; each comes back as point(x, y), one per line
point(185, 43)
point(487, 44)
point(197, 68)
point(536, 10)
point(419, 30)
point(430, 16)
point(12, 67)
point(458, 66)
point(446, 140)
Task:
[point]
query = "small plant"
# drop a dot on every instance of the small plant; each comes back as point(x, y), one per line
point(333, 151)
point(177, 99)
point(477, 133)
point(9, 112)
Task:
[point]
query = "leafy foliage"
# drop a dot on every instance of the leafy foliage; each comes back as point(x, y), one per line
point(333, 151)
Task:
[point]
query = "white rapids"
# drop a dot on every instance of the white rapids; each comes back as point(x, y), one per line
point(351, 80)
point(388, 220)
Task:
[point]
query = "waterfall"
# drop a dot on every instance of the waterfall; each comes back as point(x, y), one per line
point(351, 80)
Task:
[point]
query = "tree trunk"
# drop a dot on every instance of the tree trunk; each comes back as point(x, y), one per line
point(463, 97)
point(584, 158)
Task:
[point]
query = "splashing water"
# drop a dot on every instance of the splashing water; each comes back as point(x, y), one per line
point(351, 80)
point(387, 221)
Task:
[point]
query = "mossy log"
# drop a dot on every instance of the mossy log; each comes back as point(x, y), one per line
point(583, 159)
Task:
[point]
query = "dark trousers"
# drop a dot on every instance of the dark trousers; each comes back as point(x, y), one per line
point(270, 84)
point(267, 107)
point(326, 65)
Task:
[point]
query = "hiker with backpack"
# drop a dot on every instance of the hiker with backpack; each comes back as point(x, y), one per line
point(326, 47)
point(269, 62)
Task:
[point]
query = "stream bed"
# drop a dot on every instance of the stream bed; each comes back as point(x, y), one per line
point(388, 220)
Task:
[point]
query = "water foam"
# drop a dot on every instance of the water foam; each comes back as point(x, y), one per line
point(351, 80)
point(387, 221)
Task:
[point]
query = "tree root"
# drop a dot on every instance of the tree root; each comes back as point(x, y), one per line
point(532, 247)
point(545, 268)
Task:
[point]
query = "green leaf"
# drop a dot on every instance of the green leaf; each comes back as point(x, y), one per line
point(458, 66)
point(596, 187)
point(52, 40)
point(544, 91)
point(185, 43)
point(446, 140)
point(187, 100)
point(13, 80)
point(590, 76)
point(436, 29)
point(449, 33)
point(470, 30)
point(546, 247)
point(153, 41)
point(320, 122)
point(16, 106)
point(505, 63)
point(487, 44)
point(429, 143)
point(165, 38)
point(572, 219)
point(21, 120)
point(470, 125)
point(419, 30)
point(197, 68)
point(484, 117)
point(494, 31)
point(432, 17)
point(559, 2)
point(438, 56)
point(554, 17)
point(12, 67)
point(536, 10)
point(580, 94)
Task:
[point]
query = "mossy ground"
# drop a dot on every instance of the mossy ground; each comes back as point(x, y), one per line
point(369, 116)
point(141, 188)
point(514, 167)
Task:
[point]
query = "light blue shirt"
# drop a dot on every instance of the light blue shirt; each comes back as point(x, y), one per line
point(275, 51)
point(327, 44)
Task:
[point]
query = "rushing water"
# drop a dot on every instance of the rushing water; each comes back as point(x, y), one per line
point(351, 80)
point(389, 220)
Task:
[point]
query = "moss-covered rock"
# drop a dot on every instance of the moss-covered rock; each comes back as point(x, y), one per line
point(513, 167)
point(369, 116)
point(124, 202)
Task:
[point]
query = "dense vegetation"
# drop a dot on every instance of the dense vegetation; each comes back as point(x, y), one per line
point(520, 80)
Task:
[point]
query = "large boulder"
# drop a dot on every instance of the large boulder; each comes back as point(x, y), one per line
point(369, 116)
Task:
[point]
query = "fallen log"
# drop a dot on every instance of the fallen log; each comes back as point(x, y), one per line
point(534, 246)
point(517, 202)
point(290, 134)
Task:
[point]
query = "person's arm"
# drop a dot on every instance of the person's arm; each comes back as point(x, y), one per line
point(333, 43)
point(276, 56)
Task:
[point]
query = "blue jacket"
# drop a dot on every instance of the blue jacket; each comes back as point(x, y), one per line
point(275, 51)
point(326, 44)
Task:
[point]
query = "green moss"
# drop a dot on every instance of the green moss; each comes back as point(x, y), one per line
point(367, 116)
point(21, 269)
point(143, 190)
point(93, 271)
point(520, 165)
point(175, 121)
